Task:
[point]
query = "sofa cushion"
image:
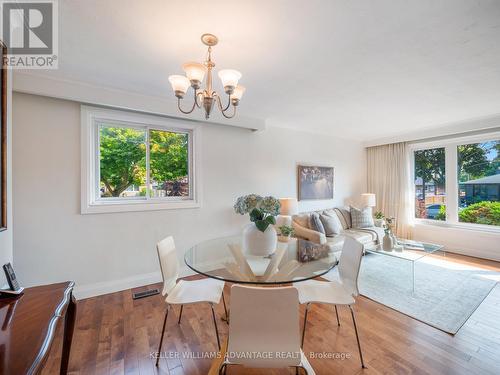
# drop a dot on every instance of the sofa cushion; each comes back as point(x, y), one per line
point(331, 223)
point(315, 223)
point(361, 235)
point(362, 218)
point(369, 237)
point(335, 243)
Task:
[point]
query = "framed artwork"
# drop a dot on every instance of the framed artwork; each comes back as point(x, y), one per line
point(315, 182)
point(3, 143)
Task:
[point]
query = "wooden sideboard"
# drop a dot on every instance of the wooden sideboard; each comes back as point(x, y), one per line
point(28, 325)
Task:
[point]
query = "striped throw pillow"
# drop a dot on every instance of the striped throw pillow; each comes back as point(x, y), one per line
point(344, 216)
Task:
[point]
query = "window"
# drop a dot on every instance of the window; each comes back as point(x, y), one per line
point(458, 181)
point(479, 182)
point(169, 164)
point(430, 184)
point(122, 161)
point(135, 162)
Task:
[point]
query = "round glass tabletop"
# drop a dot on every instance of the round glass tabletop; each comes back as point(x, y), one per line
point(294, 261)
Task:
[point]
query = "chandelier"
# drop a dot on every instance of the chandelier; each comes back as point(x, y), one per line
point(206, 98)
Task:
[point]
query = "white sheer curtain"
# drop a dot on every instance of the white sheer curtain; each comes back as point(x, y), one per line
point(388, 170)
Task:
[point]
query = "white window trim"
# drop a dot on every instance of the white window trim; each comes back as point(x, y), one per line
point(451, 180)
point(90, 202)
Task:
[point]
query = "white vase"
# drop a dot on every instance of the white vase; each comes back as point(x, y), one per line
point(387, 242)
point(259, 243)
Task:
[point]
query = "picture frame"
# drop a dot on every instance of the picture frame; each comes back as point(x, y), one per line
point(315, 182)
point(3, 142)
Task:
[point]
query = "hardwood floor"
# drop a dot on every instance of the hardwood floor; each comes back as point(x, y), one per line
point(115, 335)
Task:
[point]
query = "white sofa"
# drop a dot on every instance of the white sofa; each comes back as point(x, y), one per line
point(369, 237)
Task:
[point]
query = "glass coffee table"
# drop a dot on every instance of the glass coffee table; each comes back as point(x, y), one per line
point(409, 250)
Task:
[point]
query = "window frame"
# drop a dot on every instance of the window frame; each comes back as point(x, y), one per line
point(450, 145)
point(92, 119)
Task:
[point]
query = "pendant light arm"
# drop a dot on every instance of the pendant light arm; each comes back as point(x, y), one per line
point(197, 100)
point(233, 114)
point(224, 110)
point(195, 103)
point(219, 102)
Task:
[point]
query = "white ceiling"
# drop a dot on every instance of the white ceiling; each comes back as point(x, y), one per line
point(365, 69)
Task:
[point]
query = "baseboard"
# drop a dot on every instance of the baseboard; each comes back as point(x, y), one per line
point(106, 287)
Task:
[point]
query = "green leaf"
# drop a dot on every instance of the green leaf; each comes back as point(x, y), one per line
point(271, 220)
point(256, 214)
point(262, 225)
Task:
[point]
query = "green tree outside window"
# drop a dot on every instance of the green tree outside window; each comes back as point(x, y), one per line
point(123, 161)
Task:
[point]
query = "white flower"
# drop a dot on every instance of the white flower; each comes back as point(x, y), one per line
point(271, 206)
point(247, 203)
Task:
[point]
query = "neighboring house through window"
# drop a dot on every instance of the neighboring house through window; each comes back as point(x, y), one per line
point(458, 180)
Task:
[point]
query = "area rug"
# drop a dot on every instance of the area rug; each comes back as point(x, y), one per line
point(446, 293)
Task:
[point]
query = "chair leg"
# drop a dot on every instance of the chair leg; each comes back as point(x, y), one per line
point(215, 324)
point(180, 314)
point(162, 333)
point(305, 323)
point(357, 337)
point(225, 308)
point(337, 313)
point(223, 369)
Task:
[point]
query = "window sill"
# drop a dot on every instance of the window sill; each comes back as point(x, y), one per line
point(134, 206)
point(464, 226)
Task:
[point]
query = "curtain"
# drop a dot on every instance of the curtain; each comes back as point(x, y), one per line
point(388, 170)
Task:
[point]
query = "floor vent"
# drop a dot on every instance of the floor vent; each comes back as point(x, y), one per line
point(145, 293)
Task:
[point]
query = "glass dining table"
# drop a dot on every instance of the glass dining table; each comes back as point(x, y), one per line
point(294, 261)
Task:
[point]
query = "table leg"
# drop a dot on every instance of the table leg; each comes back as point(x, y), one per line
point(69, 325)
point(225, 318)
point(217, 362)
point(413, 276)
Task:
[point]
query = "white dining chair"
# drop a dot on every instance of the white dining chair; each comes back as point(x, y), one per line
point(265, 321)
point(183, 292)
point(341, 292)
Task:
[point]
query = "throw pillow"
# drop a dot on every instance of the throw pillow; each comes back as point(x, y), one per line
point(331, 223)
point(315, 223)
point(344, 216)
point(361, 218)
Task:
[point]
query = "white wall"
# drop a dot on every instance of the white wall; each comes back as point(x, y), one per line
point(106, 252)
point(6, 236)
point(462, 241)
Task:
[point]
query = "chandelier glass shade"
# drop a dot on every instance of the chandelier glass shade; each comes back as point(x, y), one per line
point(207, 97)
